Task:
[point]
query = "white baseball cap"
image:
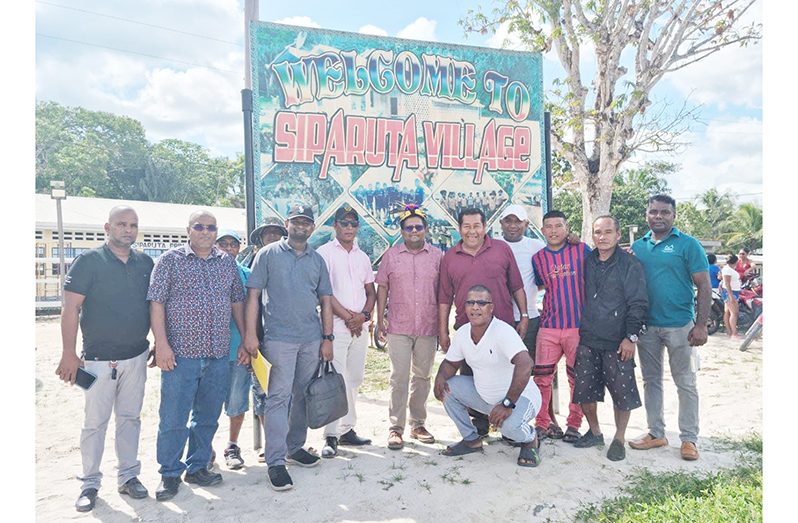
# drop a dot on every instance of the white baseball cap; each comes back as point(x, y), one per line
point(516, 210)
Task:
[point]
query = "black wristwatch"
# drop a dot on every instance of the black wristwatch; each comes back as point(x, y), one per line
point(367, 314)
point(506, 403)
point(330, 337)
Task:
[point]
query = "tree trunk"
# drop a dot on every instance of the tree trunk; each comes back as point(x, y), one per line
point(596, 198)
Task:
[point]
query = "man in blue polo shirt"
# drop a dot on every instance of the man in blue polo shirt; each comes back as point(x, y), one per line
point(673, 262)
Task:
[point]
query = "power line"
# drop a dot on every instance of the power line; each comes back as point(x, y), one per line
point(136, 53)
point(164, 28)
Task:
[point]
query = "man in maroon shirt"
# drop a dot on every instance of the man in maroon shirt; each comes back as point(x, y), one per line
point(478, 260)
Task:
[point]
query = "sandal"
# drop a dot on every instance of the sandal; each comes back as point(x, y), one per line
point(571, 435)
point(460, 449)
point(552, 432)
point(528, 456)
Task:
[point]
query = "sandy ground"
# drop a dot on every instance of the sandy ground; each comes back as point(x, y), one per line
point(377, 484)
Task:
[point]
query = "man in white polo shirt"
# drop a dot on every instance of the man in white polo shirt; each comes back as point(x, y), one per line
point(500, 387)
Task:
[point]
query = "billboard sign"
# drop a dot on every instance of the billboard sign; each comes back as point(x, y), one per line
point(378, 123)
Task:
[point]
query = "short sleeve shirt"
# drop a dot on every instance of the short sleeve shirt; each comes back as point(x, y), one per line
point(523, 250)
point(197, 294)
point(295, 283)
point(562, 274)
point(349, 272)
point(736, 283)
point(669, 266)
point(493, 266)
point(490, 359)
point(412, 282)
point(115, 315)
point(235, 336)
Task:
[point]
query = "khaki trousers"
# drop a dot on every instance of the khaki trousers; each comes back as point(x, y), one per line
point(416, 353)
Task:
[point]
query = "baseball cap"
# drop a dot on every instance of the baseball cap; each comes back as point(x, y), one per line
point(269, 221)
point(301, 210)
point(228, 232)
point(344, 210)
point(516, 210)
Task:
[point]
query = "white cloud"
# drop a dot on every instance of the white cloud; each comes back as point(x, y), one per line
point(420, 29)
point(369, 29)
point(304, 21)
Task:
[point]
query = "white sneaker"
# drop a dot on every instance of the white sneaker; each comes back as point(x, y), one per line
point(232, 456)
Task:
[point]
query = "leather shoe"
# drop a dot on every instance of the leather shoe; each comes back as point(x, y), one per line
point(203, 478)
point(86, 500)
point(134, 489)
point(648, 442)
point(351, 438)
point(689, 451)
point(395, 441)
point(422, 435)
point(167, 489)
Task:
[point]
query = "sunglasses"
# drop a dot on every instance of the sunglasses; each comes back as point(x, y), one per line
point(349, 223)
point(411, 228)
point(480, 303)
point(199, 227)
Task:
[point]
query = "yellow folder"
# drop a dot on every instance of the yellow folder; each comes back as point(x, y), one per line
point(261, 368)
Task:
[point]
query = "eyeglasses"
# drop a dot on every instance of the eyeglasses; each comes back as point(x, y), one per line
point(226, 244)
point(411, 228)
point(349, 223)
point(479, 303)
point(200, 227)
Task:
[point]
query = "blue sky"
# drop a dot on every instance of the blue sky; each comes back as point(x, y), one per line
point(177, 66)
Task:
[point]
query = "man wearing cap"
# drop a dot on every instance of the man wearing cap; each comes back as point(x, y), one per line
point(295, 277)
point(271, 230)
point(237, 402)
point(353, 300)
point(408, 277)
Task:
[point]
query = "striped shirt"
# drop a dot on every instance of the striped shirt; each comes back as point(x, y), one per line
point(562, 274)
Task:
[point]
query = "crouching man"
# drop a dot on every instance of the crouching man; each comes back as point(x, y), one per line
point(500, 386)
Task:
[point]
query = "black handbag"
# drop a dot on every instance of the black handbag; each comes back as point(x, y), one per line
point(325, 399)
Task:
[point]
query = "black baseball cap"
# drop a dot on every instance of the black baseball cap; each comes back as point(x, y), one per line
point(344, 210)
point(301, 210)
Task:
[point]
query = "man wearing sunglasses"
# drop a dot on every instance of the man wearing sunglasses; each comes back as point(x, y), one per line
point(295, 278)
point(408, 277)
point(353, 300)
point(194, 291)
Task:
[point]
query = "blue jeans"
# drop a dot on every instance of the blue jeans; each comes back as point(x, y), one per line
point(196, 386)
point(237, 401)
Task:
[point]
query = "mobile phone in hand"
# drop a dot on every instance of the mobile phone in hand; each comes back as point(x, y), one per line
point(84, 379)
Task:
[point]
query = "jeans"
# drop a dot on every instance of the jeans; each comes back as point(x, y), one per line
point(463, 395)
point(196, 386)
point(681, 358)
point(237, 401)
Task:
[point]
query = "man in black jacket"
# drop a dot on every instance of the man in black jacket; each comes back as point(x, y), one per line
point(615, 307)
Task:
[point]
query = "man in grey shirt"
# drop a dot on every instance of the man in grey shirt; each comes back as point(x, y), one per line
point(296, 280)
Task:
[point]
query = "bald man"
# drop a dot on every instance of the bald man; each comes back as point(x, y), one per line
point(105, 292)
point(194, 291)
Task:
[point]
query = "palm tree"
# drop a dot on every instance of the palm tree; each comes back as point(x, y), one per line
point(745, 228)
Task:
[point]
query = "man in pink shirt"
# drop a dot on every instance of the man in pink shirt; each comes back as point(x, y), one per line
point(353, 300)
point(408, 276)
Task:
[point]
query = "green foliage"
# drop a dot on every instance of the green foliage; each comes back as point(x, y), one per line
point(104, 155)
point(716, 216)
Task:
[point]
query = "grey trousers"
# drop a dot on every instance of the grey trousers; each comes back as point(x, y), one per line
point(124, 396)
point(293, 366)
point(681, 358)
point(416, 354)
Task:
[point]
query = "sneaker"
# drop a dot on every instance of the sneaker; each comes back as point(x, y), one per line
point(86, 500)
point(203, 478)
point(279, 479)
point(167, 488)
point(303, 458)
point(616, 452)
point(232, 456)
point(330, 449)
point(134, 489)
point(422, 435)
point(351, 438)
point(588, 439)
point(395, 441)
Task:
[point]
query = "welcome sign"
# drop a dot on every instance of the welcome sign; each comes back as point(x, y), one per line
point(379, 123)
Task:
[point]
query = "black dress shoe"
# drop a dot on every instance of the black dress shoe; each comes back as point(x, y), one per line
point(167, 489)
point(351, 438)
point(203, 478)
point(134, 489)
point(86, 500)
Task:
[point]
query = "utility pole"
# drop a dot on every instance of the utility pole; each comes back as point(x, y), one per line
point(58, 193)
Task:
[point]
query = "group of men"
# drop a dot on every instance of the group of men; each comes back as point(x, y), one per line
point(303, 304)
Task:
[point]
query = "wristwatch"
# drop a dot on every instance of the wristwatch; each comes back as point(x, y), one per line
point(525, 315)
point(632, 337)
point(506, 403)
point(367, 314)
point(330, 337)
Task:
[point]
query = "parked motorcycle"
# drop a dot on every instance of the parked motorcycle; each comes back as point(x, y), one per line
point(749, 305)
point(715, 319)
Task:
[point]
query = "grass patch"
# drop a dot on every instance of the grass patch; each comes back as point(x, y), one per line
point(378, 371)
point(726, 495)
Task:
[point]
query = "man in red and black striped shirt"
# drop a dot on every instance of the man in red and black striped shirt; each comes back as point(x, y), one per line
point(559, 269)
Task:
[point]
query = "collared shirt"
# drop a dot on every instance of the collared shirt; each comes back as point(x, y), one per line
point(493, 266)
point(235, 336)
point(349, 272)
point(412, 282)
point(115, 315)
point(561, 273)
point(295, 283)
point(523, 250)
point(669, 266)
point(197, 294)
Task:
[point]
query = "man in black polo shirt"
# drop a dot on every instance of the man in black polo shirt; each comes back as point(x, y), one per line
point(106, 289)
